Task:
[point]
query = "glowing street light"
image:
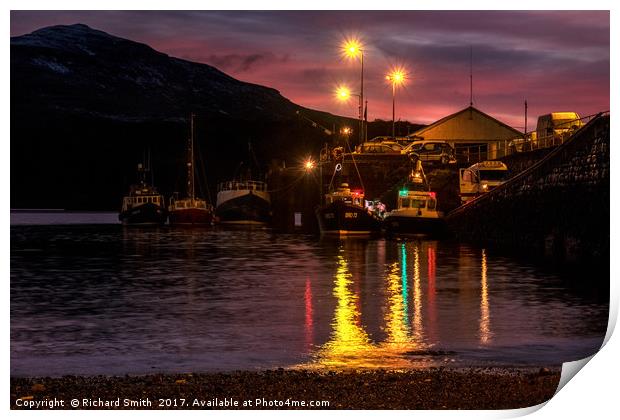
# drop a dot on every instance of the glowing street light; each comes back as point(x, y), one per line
point(343, 93)
point(353, 48)
point(309, 165)
point(396, 77)
point(346, 131)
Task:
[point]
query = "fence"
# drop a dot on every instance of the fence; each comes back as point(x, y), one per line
point(531, 141)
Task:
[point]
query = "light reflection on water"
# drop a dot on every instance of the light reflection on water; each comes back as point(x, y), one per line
point(108, 300)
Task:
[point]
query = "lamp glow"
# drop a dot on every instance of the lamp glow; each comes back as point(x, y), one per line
point(343, 93)
point(397, 76)
point(352, 48)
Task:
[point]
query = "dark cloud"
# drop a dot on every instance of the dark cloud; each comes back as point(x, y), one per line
point(244, 63)
point(555, 59)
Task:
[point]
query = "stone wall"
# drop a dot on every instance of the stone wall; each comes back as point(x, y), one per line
point(518, 162)
point(558, 206)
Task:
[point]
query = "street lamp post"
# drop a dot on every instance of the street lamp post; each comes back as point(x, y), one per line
point(343, 94)
point(353, 48)
point(396, 77)
point(393, 109)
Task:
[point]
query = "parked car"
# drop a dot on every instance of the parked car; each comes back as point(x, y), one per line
point(432, 151)
point(375, 147)
point(401, 141)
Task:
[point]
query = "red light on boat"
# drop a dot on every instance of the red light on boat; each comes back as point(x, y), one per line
point(433, 194)
point(357, 192)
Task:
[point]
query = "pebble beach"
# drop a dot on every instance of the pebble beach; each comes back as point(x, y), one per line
point(429, 389)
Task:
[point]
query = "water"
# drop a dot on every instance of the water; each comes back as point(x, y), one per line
point(103, 299)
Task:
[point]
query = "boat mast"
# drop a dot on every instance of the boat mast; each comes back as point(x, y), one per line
point(190, 163)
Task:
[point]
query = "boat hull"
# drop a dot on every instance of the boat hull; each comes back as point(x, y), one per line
point(144, 215)
point(413, 225)
point(244, 209)
point(191, 216)
point(346, 219)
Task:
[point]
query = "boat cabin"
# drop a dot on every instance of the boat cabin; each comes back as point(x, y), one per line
point(189, 203)
point(142, 194)
point(417, 200)
point(242, 185)
point(344, 194)
point(138, 200)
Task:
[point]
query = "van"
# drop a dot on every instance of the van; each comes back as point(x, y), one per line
point(554, 128)
point(481, 178)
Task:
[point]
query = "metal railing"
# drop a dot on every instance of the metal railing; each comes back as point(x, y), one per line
point(242, 185)
point(188, 203)
point(538, 170)
point(529, 142)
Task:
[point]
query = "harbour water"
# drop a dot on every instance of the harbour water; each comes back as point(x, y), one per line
point(97, 298)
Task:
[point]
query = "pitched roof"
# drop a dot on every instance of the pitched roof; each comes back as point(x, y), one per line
point(492, 130)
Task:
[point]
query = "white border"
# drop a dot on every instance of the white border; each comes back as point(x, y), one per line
point(592, 394)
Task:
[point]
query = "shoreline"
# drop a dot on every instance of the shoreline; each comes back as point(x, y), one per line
point(433, 388)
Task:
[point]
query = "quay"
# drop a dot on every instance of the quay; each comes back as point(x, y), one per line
point(556, 201)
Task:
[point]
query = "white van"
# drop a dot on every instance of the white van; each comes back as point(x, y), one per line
point(481, 178)
point(552, 129)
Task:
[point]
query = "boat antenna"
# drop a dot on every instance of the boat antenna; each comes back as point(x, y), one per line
point(471, 76)
point(203, 172)
point(355, 164)
point(525, 125)
point(253, 159)
point(148, 167)
point(190, 164)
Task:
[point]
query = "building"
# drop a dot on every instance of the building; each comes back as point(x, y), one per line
point(472, 133)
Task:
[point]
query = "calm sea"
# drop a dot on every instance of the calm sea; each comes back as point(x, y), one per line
point(91, 297)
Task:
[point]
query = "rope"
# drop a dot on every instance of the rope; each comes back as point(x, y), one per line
point(355, 164)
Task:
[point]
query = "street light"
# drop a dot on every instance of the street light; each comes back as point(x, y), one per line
point(343, 94)
point(353, 48)
point(395, 77)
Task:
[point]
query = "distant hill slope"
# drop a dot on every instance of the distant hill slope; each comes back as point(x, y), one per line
point(78, 70)
point(85, 105)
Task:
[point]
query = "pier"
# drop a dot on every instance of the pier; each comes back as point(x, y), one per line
point(559, 205)
point(556, 201)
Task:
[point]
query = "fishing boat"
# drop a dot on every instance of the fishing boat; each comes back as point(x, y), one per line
point(144, 205)
point(416, 212)
point(243, 201)
point(344, 213)
point(190, 210)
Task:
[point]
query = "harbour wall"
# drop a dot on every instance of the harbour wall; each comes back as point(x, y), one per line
point(558, 206)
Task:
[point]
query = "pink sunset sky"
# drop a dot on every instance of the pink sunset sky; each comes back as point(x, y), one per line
point(557, 60)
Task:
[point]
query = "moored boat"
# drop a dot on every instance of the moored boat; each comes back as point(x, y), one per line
point(144, 205)
point(344, 214)
point(416, 211)
point(243, 203)
point(416, 214)
point(191, 210)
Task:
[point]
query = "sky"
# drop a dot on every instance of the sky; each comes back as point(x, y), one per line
point(556, 60)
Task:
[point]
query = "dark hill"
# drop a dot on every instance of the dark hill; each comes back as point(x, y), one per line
point(85, 105)
point(81, 71)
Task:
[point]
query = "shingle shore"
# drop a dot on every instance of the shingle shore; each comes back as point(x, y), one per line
point(475, 388)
